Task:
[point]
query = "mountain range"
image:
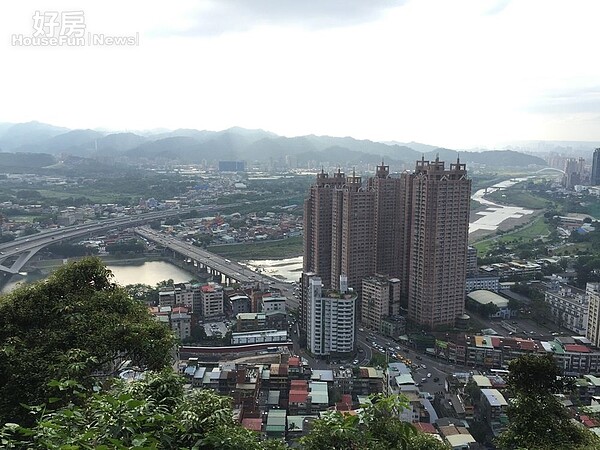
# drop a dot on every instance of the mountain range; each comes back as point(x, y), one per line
point(189, 146)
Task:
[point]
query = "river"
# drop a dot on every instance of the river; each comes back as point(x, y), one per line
point(149, 272)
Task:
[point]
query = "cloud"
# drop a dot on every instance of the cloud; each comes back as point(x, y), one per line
point(568, 101)
point(217, 17)
point(497, 6)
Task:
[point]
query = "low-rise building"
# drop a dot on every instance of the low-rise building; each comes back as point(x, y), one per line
point(493, 410)
point(568, 306)
point(259, 337)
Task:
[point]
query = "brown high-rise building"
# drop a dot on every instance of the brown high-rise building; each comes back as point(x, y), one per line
point(318, 225)
point(439, 230)
point(389, 207)
point(413, 228)
point(353, 233)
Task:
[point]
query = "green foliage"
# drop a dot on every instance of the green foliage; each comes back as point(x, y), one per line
point(376, 427)
point(537, 419)
point(282, 248)
point(70, 250)
point(73, 325)
point(151, 413)
point(131, 246)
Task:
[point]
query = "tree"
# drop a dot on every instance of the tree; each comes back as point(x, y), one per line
point(153, 412)
point(74, 325)
point(376, 427)
point(537, 420)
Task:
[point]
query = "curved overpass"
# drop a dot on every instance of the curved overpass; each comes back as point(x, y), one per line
point(26, 247)
point(550, 169)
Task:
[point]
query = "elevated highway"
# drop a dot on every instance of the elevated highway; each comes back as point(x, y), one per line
point(214, 264)
point(18, 252)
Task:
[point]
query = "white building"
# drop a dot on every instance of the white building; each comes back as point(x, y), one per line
point(488, 283)
point(330, 318)
point(569, 306)
point(269, 303)
point(212, 300)
point(593, 317)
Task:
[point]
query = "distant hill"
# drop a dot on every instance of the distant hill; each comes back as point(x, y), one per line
point(188, 146)
point(22, 134)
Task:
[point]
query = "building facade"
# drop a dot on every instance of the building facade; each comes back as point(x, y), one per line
point(595, 177)
point(440, 204)
point(353, 234)
point(318, 208)
point(212, 300)
point(380, 298)
point(593, 317)
point(568, 306)
point(331, 319)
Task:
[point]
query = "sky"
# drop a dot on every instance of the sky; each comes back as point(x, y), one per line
point(458, 74)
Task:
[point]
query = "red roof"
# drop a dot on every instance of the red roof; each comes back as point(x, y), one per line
point(298, 396)
point(425, 427)
point(252, 424)
point(208, 288)
point(294, 361)
point(577, 348)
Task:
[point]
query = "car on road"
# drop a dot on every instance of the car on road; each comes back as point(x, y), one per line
point(355, 362)
point(418, 357)
point(429, 375)
point(423, 366)
point(436, 379)
point(423, 380)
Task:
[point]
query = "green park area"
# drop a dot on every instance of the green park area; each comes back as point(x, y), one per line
point(282, 248)
point(518, 197)
point(532, 230)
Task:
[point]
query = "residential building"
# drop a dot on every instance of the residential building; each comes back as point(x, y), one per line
point(212, 300)
point(353, 245)
point(472, 268)
point(568, 306)
point(574, 172)
point(250, 322)
point(487, 282)
point(272, 303)
point(595, 178)
point(439, 227)
point(331, 316)
point(318, 210)
point(166, 297)
point(389, 231)
point(593, 322)
point(393, 326)
point(181, 322)
point(239, 304)
point(493, 410)
point(379, 293)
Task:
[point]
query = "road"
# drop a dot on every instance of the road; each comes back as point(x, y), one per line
point(25, 247)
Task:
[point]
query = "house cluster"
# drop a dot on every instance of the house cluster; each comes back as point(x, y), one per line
point(253, 313)
point(280, 396)
point(574, 355)
point(228, 229)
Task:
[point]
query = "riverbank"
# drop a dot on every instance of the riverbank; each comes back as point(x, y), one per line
point(274, 249)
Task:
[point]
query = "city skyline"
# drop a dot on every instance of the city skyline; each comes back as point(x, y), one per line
point(456, 74)
point(413, 229)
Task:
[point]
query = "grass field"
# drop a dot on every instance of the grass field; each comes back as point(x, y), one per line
point(531, 231)
point(517, 197)
point(106, 198)
point(285, 248)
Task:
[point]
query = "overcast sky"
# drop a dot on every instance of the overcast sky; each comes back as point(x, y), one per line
point(454, 73)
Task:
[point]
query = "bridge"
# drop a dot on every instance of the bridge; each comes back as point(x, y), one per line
point(24, 248)
point(550, 169)
point(214, 264)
